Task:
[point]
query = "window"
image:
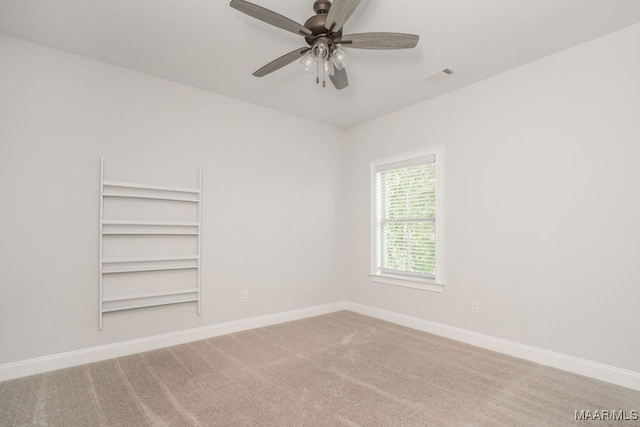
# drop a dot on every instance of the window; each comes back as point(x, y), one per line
point(407, 224)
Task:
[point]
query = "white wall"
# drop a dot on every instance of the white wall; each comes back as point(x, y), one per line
point(541, 200)
point(271, 193)
point(541, 209)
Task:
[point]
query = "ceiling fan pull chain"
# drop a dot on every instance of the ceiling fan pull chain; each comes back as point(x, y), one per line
point(324, 83)
point(317, 72)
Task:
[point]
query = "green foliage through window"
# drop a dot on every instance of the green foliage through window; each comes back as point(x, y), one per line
point(406, 212)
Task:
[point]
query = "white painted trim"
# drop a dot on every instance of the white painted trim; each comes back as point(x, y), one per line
point(95, 354)
point(599, 371)
point(440, 214)
point(407, 282)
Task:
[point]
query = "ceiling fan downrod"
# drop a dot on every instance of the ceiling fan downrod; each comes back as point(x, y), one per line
point(321, 6)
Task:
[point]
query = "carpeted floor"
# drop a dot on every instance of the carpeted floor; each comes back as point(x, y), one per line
point(338, 369)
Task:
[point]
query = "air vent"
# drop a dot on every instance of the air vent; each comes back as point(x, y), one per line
point(438, 76)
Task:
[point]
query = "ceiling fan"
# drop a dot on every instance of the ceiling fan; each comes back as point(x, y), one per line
point(323, 34)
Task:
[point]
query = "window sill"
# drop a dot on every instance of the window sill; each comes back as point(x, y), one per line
point(421, 284)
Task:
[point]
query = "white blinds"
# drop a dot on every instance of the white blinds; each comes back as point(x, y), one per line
point(405, 218)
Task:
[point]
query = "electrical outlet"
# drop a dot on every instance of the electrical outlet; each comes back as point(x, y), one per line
point(245, 296)
point(475, 307)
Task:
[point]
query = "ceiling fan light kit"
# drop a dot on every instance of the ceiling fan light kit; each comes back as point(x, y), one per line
point(323, 33)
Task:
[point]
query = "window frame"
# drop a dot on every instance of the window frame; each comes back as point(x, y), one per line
point(437, 284)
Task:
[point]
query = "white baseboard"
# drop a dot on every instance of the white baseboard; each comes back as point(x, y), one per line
point(611, 374)
point(576, 365)
point(95, 354)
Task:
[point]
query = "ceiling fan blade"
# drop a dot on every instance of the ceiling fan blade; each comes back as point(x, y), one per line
point(339, 12)
point(281, 62)
point(269, 17)
point(339, 79)
point(380, 41)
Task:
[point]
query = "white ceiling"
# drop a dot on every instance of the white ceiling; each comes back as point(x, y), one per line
point(209, 45)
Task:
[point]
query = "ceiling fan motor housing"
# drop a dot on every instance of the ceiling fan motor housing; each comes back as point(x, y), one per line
point(316, 24)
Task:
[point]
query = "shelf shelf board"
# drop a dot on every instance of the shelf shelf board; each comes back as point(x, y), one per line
point(146, 196)
point(149, 233)
point(152, 223)
point(133, 307)
point(143, 269)
point(150, 295)
point(150, 259)
point(151, 187)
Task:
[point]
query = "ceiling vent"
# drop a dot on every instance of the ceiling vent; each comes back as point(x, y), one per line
point(438, 76)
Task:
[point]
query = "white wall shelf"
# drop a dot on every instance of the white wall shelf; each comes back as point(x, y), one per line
point(154, 197)
point(148, 259)
point(152, 304)
point(143, 269)
point(161, 223)
point(150, 294)
point(150, 187)
point(151, 233)
point(119, 235)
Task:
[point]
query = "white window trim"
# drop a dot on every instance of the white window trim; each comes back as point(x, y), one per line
point(410, 282)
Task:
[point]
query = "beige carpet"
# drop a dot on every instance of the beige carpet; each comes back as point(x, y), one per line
point(338, 369)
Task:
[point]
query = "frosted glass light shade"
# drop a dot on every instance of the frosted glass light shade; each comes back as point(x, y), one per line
point(328, 68)
point(339, 57)
point(320, 51)
point(307, 63)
